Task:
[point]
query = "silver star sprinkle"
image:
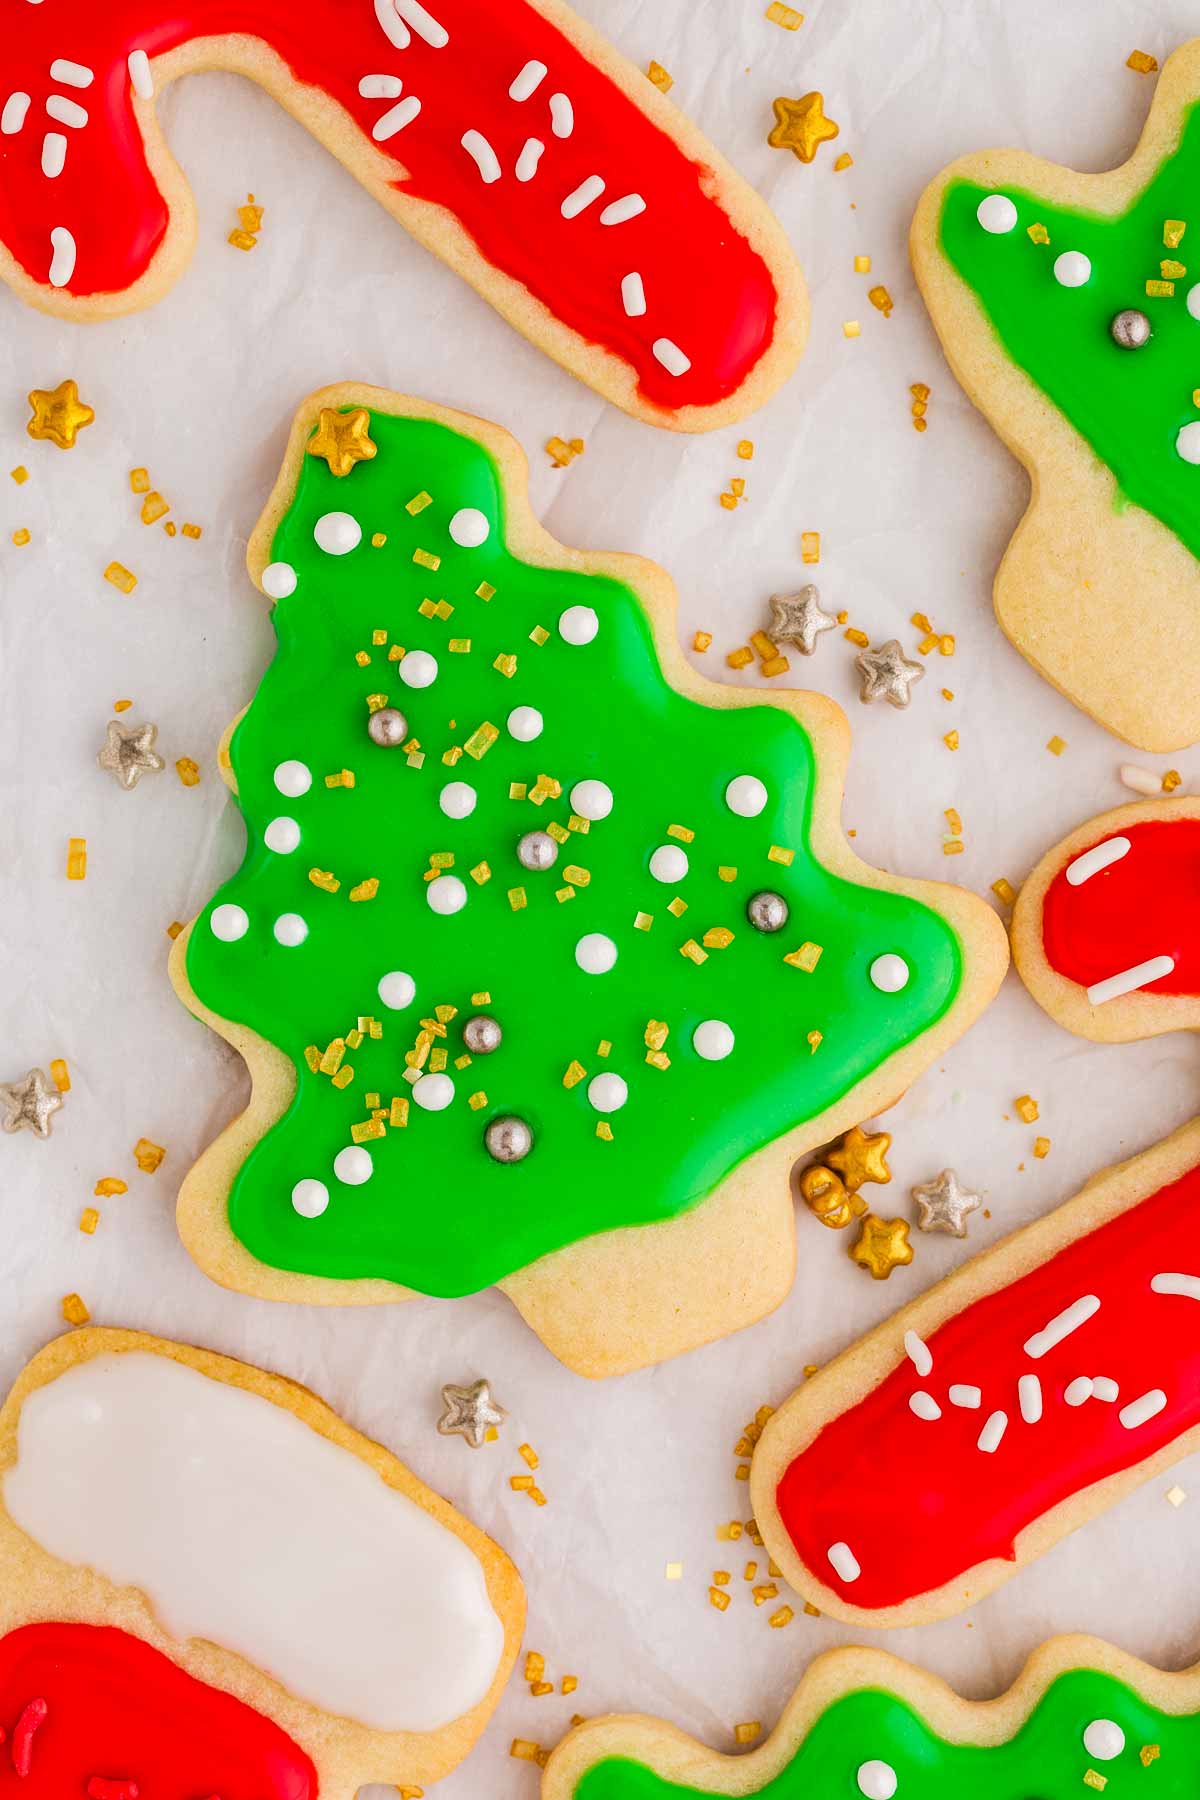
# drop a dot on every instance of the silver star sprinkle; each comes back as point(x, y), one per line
point(470, 1412)
point(799, 619)
point(887, 674)
point(128, 754)
point(29, 1104)
point(945, 1203)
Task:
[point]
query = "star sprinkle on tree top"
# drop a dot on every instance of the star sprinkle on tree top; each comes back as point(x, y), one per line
point(545, 940)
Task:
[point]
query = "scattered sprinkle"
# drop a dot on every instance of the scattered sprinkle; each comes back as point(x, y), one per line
point(74, 1311)
point(188, 771)
point(1176, 1495)
point(148, 1156)
point(784, 16)
point(89, 1218)
point(120, 577)
point(60, 1075)
point(662, 80)
point(851, 328)
point(1026, 1108)
point(563, 451)
point(76, 859)
point(1041, 1147)
point(1141, 62)
point(1004, 891)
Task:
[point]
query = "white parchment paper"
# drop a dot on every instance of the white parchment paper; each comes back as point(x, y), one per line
point(201, 389)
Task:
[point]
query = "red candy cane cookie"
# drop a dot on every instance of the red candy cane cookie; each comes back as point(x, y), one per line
point(509, 138)
point(1055, 1372)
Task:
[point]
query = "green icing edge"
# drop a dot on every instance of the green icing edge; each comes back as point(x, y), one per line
point(1045, 1758)
point(1128, 406)
point(438, 1214)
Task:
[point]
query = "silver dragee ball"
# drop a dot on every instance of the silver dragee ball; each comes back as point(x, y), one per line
point(1130, 329)
point(767, 911)
point(482, 1034)
point(508, 1140)
point(537, 850)
point(388, 727)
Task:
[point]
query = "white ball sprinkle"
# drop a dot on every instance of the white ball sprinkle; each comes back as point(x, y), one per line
point(669, 863)
point(996, 213)
point(290, 930)
point(525, 724)
point(1104, 1740)
point(608, 1092)
point(877, 1780)
point(890, 973)
point(1193, 301)
point(229, 922)
point(282, 835)
point(578, 625)
point(446, 894)
point(1187, 441)
point(293, 779)
point(418, 669)
point(469, 527)
point(310, 1197)
point(713, 1040)
point(457, 799)
point(397, 990)
point(746, 796)
point(353, 1165)
point(595, 953)
point(1072, 269)
point(279, 580)
point(433, 1093)
point(591, 799)
point(337, 533)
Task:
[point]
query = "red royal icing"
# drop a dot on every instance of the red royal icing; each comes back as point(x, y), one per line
point(1143, 906)
point(90, 1710)
point(706, 289)
point(917, 1502)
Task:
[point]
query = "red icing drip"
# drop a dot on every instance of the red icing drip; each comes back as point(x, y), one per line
point(1145, 905)
point(114, 1718)
point(917, 1502)
point(706, 289)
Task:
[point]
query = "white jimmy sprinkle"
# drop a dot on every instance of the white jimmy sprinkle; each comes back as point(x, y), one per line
point(993, 1431)
point(965, 1394)
point(1129, 980)
point(844, 1562)
point(394, 29)
point(527, 162)
point(528, 81)
point(633, 295)
point(1142, 1410)
point(1029, 1392)
point(54, 154)
point(627, 207)
point(924, 1405)
point(62, 261)
point(918, 1353)
point(395, 119)
point(1101, 856)
point(671, 357)
point(67, 112)
point(381, 87)
point(72, 73)
point(138, 64)
point(1105, 1388)
point(1186, 1286)
point(582, 196)
point(562, 116)
point(482, 154)
point(1078, 1391)
point(423, 23)
point(1142, 781)
point(1060, 1327)
point(13, 116)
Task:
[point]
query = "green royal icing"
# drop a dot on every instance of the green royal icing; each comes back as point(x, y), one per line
point(438, 1214)
point(1044, 1760)
point(1128, 405)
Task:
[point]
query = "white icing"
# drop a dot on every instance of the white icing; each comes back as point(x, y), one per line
point(282, 836)
point(310, 1197)
point(397, 990)
point(1072, 269)
point(713, 1040)
point(457, 799)
point(279, 580)
point(592, 800)
point(996, 213)
point(419, 669)
point(889, 973)
point(290, 930)
point(244, 1526)
point(337, 533)
point(595, 953)
point(469, 527)
point(446, 894)
point(229, 922)
point(669, 863)
point(608, 1091)
point(293, 778)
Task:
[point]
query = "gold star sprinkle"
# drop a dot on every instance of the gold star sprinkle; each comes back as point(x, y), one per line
point(343, 439)
point(882, 1246)
point(470, 1413)
point(801, 125)
point(59, 415)
point(861, 1157)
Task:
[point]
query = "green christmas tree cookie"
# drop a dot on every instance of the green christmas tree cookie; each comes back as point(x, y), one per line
point(546, 955)
point(1066, 307)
